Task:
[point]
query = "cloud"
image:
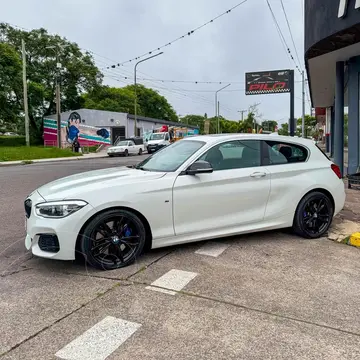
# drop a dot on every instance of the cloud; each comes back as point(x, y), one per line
point(244, 40)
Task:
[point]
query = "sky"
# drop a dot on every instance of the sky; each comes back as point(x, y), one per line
point(244, 40)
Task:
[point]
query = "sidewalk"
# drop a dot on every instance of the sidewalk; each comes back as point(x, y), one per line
point(101, 154)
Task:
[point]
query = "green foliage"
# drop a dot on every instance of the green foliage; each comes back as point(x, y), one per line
point(149, 102)
point(32, 153)
point(78, 74)
point(12, 141)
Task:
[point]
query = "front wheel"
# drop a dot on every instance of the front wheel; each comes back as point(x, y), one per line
point(113, 239)
point(126, 153)
point(313, 215)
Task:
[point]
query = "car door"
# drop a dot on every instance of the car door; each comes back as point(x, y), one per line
point(233, 195)
point(131, 147)
point(290, 172)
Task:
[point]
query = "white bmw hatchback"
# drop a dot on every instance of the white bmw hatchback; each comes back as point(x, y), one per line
point(199, 188)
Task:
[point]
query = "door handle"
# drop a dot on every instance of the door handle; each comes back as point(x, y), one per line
point(258, 174)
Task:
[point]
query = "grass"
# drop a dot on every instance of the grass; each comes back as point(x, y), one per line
point(33, 152)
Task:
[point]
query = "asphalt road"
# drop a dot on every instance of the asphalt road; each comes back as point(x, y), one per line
point(16, 182)
point(254, 297)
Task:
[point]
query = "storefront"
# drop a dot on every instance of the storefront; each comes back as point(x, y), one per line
point(332, 58)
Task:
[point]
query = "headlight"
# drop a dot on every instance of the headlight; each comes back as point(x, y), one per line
point(59, 209)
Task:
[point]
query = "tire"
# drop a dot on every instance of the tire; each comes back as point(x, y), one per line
point(313, 215)
point(111, 155)
point(115, 249)
point(126, 153)
point(149, 151)
point(140, 151)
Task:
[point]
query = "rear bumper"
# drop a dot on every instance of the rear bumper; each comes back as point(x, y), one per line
point(339, 197)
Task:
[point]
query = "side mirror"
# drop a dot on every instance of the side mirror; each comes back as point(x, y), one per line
point(199, 167)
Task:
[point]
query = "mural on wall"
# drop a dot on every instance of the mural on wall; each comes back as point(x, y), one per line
point(73, 130)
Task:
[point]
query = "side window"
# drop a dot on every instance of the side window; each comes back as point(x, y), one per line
point(234, 155)
point(284, 153)
point(167, 137)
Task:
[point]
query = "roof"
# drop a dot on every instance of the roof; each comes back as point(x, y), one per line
point(162, 122)
point(215, 138)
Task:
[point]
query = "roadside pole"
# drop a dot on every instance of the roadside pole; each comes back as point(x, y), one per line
point(303, 105)
point(292, 126)
point(26, 107)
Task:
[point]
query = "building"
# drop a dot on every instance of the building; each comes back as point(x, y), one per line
point(94, 127)
point(332, 58)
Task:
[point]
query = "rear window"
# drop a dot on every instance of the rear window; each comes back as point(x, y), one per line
point(285, 153)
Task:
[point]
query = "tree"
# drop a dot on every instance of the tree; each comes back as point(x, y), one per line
point(110, 99)
point(149, 102)
point(10, 88)
point(310, 125)
point(152, 104)
point(78, 72)
point(284, 130)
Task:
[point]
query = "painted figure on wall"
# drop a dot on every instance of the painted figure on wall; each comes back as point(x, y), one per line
point(72, 130)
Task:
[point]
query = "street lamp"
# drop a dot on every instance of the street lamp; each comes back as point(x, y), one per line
point(216, 107)
point(135, 86)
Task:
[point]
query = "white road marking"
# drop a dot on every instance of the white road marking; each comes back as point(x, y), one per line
point(213, 249)
point(172, 280)
point(98, 342)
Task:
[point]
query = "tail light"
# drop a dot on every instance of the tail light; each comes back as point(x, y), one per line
point(336, 170)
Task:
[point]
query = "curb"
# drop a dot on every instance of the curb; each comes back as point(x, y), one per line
point(50, 160)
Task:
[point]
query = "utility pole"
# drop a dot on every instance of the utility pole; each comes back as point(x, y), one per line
point(57, 95)
point(135, 88)
point(216, 105)
point(26, 107)
point(303, 105)
point(58, 113)
point(242, 114)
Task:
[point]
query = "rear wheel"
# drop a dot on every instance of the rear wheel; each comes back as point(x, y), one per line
point(313, 215)
point(140, 151)
point(113, 239)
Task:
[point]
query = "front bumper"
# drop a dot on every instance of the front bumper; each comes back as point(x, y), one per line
point(155, 147)
point(65, 231)
point(114, 153)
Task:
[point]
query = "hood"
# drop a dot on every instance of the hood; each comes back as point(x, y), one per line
point(155, 141)
point(74, 186)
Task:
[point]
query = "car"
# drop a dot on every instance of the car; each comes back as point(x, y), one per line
point(199, 188)
point(126, 148)
point(158, 141)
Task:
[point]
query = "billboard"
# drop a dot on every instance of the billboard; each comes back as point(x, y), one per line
point(268, 82)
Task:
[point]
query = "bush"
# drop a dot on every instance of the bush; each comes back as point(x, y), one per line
point(12, 141)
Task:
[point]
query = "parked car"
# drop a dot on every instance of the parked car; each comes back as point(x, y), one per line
point(199, 188)
point(158, 141)
point(9, 133)
point(126, 148)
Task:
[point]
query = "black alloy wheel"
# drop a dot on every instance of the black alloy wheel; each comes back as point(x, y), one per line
point(126, 153)
point(113, 239)
point(313, 216)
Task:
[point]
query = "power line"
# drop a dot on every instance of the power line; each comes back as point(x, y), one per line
point(286, 47)
point(291, 35)
point(178, 38)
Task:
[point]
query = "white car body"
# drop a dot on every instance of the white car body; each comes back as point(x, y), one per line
point(181, 208)
point(125, 146)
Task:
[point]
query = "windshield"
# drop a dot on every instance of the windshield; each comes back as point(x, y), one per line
point(171, 157)
point(157, 136)
point(122, 143)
